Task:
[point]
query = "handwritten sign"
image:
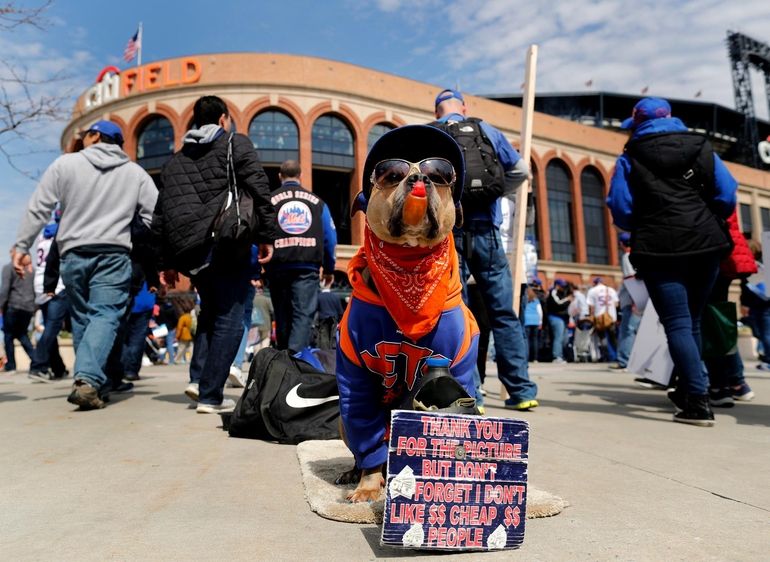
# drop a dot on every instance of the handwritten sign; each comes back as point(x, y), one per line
point(455, 482)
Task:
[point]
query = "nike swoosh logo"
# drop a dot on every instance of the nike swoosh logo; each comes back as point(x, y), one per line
point(294, 400)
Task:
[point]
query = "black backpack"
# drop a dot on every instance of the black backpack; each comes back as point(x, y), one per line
point(484, 175)
point(287, 399)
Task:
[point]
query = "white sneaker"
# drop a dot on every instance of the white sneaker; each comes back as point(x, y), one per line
point(235, 377)
point(227, 405)
point(192, 391)
point(558, 361)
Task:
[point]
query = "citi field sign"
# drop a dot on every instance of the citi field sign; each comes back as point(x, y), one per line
point(113, 83)
point(764, 150)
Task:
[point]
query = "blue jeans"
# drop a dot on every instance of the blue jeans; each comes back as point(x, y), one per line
point(47, 350)
point(295, 300)
point(629, 324)
point(679, 294)
point(486, 260)
point(98, 289)
point(558, 327)
point(170, 340)
point(533, 339)
point(220, 328)
point(133, 344)
point(247, 309)
point(15, 327)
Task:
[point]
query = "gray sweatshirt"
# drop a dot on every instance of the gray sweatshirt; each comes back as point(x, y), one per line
point(99, 190)
point(16, 293)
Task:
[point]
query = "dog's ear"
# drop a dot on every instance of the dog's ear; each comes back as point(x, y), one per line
point(458, 216)
point(359, 204)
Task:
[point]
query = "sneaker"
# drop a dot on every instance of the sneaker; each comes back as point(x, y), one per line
point(649, 383)
point(123, 387)
point(131, 377)
point(721, 397)
point(558, 361)
point(59, 376)
point(696, 411)
point(522, 406)
point(742, 393)
point(40, 376)
point(616, 367)
point(227, 405)
point(764, 366)
point(483, 392)
point(235, 377)
point(192, 391)
point(677, 399)
point(85, 396)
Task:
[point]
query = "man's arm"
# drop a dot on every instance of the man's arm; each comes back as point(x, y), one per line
point(725, 197)
point(516, 170)
point(148, 198)
point(619, 200)
point(251, 176)
point(330, 243)
point(39, 208)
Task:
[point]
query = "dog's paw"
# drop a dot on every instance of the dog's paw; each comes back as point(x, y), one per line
point(352, 476)
point(369, 489)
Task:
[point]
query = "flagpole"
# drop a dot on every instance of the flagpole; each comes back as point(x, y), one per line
point(141, 42)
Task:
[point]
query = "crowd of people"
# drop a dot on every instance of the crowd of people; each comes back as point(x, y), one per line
point(116, 246)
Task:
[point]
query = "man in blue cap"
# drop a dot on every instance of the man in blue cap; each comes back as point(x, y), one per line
point(99, 191)
point(493, 169)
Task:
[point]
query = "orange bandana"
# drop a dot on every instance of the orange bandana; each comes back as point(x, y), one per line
point(414, 284)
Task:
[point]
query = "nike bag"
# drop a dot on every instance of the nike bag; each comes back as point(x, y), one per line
point(287, 399)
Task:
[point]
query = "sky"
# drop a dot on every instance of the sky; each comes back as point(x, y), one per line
point(674, 48)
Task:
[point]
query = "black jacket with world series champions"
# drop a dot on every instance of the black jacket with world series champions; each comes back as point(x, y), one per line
point(300, 240)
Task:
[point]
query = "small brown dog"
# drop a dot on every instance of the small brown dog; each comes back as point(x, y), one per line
point(407, 303)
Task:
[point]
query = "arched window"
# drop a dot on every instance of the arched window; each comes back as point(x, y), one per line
point(275, 136)
point(332, 143)
point(560, 211)
point(594, 216)
point(376, 132)
point(155, 143)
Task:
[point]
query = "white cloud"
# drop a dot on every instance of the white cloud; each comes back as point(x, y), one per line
point(675, 48)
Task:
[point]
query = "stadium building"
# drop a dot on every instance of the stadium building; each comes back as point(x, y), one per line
point(327, 114)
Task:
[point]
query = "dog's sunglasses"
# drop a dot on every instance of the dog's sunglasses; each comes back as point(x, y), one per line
point(387, 174)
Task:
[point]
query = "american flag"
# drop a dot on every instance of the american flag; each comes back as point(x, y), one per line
point(134, 44)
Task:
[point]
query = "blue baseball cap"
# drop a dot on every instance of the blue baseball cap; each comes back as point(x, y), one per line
point(597, 280)
point(448, 95)
point(107, 129)
point(560, 282)
point(646, 109)
point(625, 238)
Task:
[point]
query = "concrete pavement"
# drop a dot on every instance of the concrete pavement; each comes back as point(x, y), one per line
point(149, 479)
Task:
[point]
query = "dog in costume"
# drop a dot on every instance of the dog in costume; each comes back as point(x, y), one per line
point(406, 304)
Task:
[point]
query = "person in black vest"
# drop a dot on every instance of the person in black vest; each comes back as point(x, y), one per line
point(493, 169)
point(673, 194)
point(306, 240)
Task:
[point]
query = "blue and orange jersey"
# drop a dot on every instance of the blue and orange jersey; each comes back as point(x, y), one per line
point(378, 365)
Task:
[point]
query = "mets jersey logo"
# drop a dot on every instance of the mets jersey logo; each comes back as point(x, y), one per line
point(294, 217)
point(391, 359)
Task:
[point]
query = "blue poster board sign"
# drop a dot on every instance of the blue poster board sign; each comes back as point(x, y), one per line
point(455, 482)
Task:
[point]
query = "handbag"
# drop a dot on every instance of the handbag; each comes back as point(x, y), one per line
point(719, 330)
point(236, 222)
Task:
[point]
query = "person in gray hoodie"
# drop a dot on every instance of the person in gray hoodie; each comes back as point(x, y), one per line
point(99, 191)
